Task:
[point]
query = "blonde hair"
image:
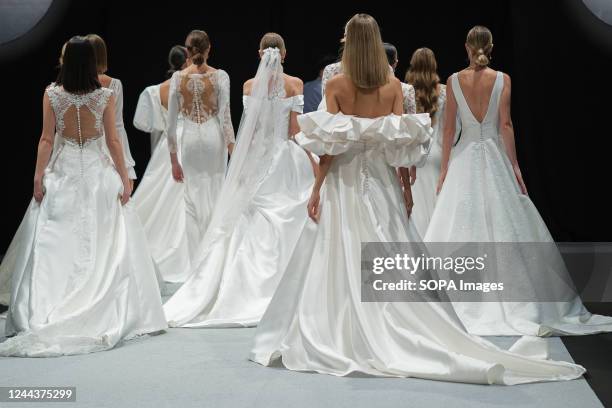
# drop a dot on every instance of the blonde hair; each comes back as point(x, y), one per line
point(364, 60)
point(480, 42)
point(272, 40)
point(423, 75)
point(99, 47)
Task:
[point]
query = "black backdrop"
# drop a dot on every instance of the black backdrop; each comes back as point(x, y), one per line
point(558, 54)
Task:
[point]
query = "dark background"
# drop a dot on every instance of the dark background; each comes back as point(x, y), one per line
point(558, 54)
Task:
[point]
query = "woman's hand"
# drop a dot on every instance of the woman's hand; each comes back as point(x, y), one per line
point(313, 206)
point(408, 202)
point(127, 191)
point(39, 190)
point(177, 172)
point(519, 179)
point(413, 175)
point(441, 180)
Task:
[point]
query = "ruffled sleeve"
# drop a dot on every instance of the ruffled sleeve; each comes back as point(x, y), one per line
point(403, 140)
point(149, 116)
point(297, 103)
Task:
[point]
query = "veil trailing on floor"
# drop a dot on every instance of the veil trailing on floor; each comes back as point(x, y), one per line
point(251, 158)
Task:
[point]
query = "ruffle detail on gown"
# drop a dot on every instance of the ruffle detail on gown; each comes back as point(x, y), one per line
point(405, 140)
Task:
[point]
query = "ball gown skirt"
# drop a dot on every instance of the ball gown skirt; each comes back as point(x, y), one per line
point(316, 320)
point(82, 276)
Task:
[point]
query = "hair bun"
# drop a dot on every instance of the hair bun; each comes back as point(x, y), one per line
point(482, 60)
point(197, 58)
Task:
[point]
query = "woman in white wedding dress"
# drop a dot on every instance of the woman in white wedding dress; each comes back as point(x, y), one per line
point(200, 95)
point(407, 176)
point(159, 201)
point(482, 198)
point(152, 108)
point(115, 85)
point(82, 275)
point(316, 320)
point(430, 98)
point(261, 211)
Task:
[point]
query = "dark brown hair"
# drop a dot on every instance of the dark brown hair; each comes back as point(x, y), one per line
point(197, 44)
point(99, 47)
point(78, 72)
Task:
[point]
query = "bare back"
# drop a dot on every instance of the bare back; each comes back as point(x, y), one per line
point(343, 96)
point(477, 86)
point(293, 86)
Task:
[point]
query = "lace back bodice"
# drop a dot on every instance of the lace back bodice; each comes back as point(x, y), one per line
point(78, 117)
point(199, 98)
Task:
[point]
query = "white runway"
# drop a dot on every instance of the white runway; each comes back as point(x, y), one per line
point(208, 368)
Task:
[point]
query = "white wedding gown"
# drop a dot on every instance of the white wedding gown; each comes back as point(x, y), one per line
point(82, 275)
point(424, 187)
point(241, 266)
point(481, 202)
point(203, 102)
point(159, 201)
point(317, 321)
point(117, 88)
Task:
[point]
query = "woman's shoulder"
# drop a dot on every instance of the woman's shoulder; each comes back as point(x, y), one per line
point(294, 86)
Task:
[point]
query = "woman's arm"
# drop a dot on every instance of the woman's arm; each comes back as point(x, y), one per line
point(173, 112)
point(507, 131)
point(404, 174)
point(314, 212)
point(450, 113)
point(225, 116)
point(325, 161)
point(116, 149)
point(45, 147)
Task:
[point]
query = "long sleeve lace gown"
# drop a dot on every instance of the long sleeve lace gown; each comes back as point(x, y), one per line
point(316, 320)
point(258, 219)
point(424, 187)
point(82, 275)
point(159, 201)
point(481, 201)
point(203, 102)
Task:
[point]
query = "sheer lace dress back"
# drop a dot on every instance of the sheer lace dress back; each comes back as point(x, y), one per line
point(199, 98)
point(79, 117)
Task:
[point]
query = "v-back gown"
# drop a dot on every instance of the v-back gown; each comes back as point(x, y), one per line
point(481, 202)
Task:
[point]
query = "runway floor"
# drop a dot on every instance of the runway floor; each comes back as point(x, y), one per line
point(209, 368)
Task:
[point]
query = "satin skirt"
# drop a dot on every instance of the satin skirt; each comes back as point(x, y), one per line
point(424, 189)
point(204, 162)
point(234, 282)
point(82, 276)
point(481, 202)
point(316, 320)
point(159, 202)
